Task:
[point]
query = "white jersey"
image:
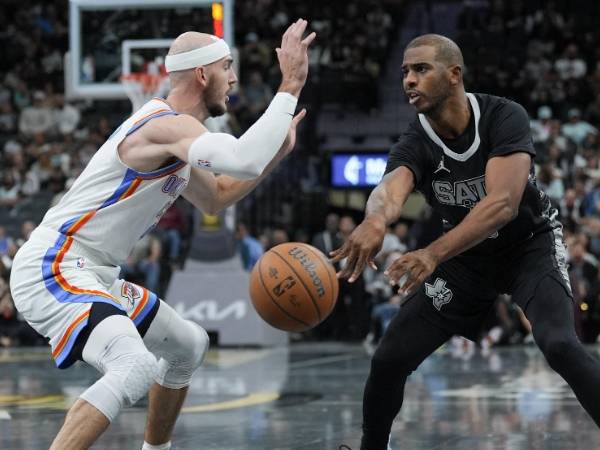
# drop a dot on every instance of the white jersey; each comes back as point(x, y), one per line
point(111, 206)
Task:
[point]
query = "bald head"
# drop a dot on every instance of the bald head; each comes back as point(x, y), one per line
point(446, 50)
point(200, 73)
point(190, 40)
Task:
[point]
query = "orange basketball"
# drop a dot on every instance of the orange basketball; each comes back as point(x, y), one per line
point(293, 287)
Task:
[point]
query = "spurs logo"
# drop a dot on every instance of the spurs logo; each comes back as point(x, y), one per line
point(438, 292)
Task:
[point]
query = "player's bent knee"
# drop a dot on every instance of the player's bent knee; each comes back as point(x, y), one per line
point(129, 371)
point(178, 364)
point(557, 349)
point(140, 377)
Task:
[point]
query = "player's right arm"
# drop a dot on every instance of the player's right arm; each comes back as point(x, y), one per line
point(384, 206)
point(187, 139)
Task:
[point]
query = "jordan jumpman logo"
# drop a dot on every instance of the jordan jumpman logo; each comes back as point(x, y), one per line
point(441, 166)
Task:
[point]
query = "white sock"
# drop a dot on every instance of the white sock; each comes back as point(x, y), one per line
point(165, 446)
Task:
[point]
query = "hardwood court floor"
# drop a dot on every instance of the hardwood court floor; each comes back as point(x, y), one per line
point(308, 397)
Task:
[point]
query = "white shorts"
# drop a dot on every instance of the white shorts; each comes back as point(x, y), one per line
point(54, 283)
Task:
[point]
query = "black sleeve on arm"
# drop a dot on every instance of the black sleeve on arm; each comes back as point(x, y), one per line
point(510, 131)
point(408, 152)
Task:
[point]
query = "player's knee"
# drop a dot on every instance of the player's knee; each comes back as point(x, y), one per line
point(140, 376)
point(556, 347)
point(196, 346)
point(127, 379)
point(390, 363)
point(184, 356)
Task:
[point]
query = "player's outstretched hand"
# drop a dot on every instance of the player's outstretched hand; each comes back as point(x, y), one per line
point(290, 139)
point(293, 57)
point(411, 269)
point(360, 249)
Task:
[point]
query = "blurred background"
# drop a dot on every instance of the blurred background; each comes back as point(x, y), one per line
point(67, 81)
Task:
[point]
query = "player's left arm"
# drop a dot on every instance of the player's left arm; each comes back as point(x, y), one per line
point(212, 194)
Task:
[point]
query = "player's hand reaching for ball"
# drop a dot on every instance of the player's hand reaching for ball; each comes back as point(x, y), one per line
point(293, 57)
point(360, 249)
point(411, 269)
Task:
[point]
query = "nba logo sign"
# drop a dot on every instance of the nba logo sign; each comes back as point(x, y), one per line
point(81, 263)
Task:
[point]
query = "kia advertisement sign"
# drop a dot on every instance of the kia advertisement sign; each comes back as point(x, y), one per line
point(215, 295)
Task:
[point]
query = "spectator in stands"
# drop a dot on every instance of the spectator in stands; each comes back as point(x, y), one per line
point(582, 265)
point(42, 168)
point(352, 308)
point(8, 249)
point(172, 228)
point(403, 232)
point(66, 116)
point(576, 128)
point(590, 313)
point(9, 190)
point(279, 236)
point(329, 239)
point(26, 229)
point(550, 181)
point(8, 118)
point(38, 118)
point(511, 327)
point(143, 265)
point(255, 96)
point(570, 210)
point(250, 248)
point(256, 53)
point(540, 128)
point(13, 330)
point(8, 315)
point(571, 65)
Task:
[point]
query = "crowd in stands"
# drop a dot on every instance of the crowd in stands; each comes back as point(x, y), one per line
point(541, 54)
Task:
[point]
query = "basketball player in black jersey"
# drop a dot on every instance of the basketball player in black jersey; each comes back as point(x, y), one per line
point(470, 155)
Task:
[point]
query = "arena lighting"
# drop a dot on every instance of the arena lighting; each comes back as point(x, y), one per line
point(217, 15)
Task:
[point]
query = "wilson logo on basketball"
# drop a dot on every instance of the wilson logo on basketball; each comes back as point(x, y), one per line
point(310, 267)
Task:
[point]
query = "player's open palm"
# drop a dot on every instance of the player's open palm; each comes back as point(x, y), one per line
point(360, 249)
point(293, 53)
point(411, 269)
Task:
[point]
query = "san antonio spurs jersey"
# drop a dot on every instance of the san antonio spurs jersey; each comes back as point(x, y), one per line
point(451, 172)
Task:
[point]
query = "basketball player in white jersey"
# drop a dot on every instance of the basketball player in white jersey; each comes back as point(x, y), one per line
point(65, 278)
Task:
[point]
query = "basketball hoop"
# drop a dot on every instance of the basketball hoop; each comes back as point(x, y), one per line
point(140, 87)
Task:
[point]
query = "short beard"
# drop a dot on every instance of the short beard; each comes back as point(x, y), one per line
point(215, 110)
point(436, 106)
point(437, 102)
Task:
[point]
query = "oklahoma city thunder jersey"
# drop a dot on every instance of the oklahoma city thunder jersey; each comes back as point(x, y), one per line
point(111, 206)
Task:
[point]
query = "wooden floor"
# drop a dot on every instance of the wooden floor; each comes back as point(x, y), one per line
point(308, 396)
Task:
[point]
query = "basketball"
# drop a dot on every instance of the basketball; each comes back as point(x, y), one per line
point(293, 287)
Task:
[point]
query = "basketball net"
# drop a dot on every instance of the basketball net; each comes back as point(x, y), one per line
point(142, 86)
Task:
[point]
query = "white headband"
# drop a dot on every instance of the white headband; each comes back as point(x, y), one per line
point(199, 57)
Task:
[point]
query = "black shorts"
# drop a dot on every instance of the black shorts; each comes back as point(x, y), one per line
point(459, 295)
point(98, 313)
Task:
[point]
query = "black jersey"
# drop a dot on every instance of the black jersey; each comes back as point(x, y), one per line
point(450, 173)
